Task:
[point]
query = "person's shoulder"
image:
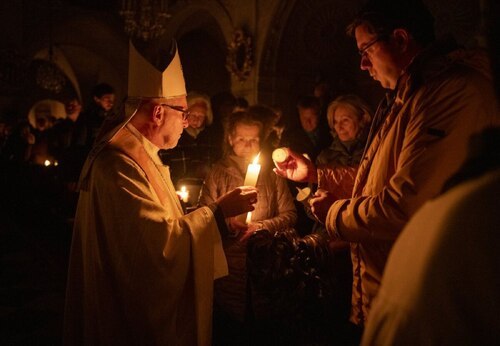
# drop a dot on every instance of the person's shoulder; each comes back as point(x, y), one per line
point(460, 68)
point(218, 168)
point(111, 163)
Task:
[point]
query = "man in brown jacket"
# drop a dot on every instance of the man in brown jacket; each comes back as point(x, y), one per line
point(437, 97)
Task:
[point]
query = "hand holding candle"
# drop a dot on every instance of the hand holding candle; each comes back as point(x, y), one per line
point(238, 201)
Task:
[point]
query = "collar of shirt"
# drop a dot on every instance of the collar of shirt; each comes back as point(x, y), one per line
point(150, 148)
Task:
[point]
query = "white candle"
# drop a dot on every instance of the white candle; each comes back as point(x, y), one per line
point(303, 194)
point(249, 218)
point(251, 177)
point(253, 171)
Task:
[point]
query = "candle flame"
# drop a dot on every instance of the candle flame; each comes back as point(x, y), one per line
point(183, 194)
point(256, 160)
point(46, 163)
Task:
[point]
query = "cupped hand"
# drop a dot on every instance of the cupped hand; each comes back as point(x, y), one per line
point(297, 168)
point(238, 201)
point(320, 204)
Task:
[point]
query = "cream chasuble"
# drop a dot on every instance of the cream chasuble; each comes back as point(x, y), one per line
point(140, 272)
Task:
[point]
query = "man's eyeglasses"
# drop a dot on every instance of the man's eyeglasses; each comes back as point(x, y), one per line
point(363, 50)
point(185, 112)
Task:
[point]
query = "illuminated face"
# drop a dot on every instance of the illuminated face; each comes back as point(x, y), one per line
point(106, 101)
point(42, 116)
point(245, 141)
point(309, 118)
point(174, 123)
point(345, 123)
point(197, 115)
point(73, 109)
point(379, 57)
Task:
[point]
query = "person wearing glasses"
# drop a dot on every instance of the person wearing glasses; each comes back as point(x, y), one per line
point(141, 272)
point(437, 96)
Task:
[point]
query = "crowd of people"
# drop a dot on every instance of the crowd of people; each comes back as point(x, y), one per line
point(264, 264)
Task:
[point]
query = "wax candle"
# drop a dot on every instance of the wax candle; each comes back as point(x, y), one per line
point(303, 194)
point(251, 177)
point(249, 218)
point(280, 155)
point(253, 171)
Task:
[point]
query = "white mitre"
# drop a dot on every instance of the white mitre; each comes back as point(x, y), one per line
point(147, 81)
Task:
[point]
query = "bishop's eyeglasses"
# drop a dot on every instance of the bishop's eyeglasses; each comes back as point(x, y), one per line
point(185, 112)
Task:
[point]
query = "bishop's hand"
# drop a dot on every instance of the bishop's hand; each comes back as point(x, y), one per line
point(238, 201)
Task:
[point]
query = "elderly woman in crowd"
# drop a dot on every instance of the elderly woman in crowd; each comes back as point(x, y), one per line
point(349, 118)
point(200, 117)
point(237, 304)
point(198, 146)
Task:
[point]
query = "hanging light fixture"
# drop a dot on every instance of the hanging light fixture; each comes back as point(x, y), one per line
point(145, 19)
point(48, 75)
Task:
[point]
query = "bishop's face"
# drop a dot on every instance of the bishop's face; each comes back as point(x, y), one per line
point(175, 121)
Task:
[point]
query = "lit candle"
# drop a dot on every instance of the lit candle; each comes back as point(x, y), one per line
point(183, 194)
point(253, 171)
point(249, 218)
point(46, 163)
point(251, 177)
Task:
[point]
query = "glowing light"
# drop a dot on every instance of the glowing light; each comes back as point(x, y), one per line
point(183, 194)
point(251, 177)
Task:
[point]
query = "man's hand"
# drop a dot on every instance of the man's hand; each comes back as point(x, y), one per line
point(296, 168)
point(320, 204)
point(238, 201)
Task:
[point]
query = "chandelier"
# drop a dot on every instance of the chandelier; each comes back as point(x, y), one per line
point(48, 74)
point(145, 19)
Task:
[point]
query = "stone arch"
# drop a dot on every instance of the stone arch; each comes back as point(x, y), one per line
point(202, 32)
point(307, 39)
point(96, 48)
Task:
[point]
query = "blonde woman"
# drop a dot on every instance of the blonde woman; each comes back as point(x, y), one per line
point(240, 310)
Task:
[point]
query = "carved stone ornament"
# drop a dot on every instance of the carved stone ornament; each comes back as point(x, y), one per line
point(240, 56)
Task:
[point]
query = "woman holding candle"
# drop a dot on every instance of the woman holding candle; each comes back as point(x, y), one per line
point(237, 304)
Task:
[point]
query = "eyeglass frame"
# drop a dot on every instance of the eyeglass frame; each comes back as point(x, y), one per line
point(362, 52)
point(185, 113)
